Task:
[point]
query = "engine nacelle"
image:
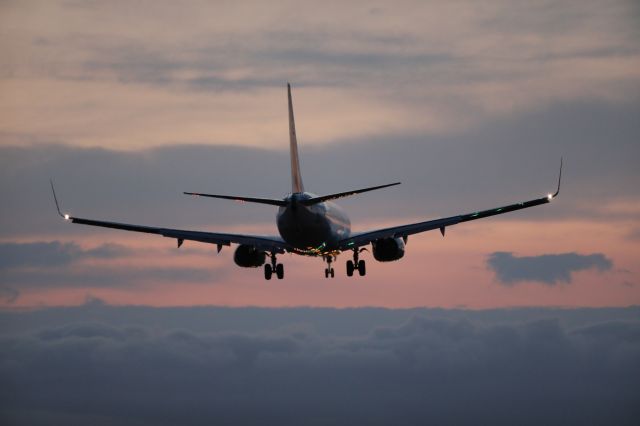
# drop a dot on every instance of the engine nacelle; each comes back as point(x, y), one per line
point(248, 256)
point(388, 249)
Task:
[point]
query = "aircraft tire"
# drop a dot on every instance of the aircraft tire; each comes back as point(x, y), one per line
point(280, 271)
point(333, 273)
point(267, 272)
point(362, 268)
point(350, 268)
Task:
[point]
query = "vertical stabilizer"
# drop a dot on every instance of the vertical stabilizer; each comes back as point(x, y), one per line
point(296, 177)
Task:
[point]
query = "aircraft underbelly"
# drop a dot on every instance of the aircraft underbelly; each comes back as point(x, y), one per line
point(303, 231)
point(315, 228)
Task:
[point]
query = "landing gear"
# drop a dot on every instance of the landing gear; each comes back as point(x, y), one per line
point(274, 267)
point(329, 271)
point(354, 264)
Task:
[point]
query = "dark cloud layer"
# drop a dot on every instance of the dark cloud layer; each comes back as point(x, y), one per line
point(53, 253)
point(407, 367)
point(56, 264)
point(104, 276)
point(309, 61)
point(548, 269)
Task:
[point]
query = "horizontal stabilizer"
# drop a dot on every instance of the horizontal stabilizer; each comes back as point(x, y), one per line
point(241, 199)
point(324, 198)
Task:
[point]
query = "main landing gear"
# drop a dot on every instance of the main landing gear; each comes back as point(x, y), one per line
point(273, 267)
point(354, 264)
point(329, 271)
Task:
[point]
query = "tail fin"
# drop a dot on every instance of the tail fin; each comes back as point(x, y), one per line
point(296, 177)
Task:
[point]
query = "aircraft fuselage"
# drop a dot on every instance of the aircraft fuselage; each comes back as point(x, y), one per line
point(312, 229)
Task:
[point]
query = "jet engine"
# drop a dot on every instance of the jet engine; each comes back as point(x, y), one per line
point(388, 249)
point(248, 256)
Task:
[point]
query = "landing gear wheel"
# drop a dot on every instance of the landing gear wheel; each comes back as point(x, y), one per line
point(267, 272)
point(280, 271)
point(326, 272)
point(356, 263)
point(273, 268)
point(350, 268)
point(332, 273)
point(362, 268)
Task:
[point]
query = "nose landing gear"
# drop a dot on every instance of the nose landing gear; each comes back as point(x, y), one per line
point(356, 264)
point(274, 267)
point(329, 271)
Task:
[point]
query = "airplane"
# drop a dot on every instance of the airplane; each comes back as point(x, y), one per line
point(310, 225)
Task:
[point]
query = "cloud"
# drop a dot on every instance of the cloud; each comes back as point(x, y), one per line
point(106, 276)
point(9, 294)
point(126, 81)
point(419, 370)
point(53, 253)
point(54, 264)
point(269, 48)
point(634, 235)
point(548, 269)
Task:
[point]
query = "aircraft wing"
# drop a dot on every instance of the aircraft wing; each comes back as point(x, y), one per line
point(274, 244)
point(364, 238)
point(267, 243)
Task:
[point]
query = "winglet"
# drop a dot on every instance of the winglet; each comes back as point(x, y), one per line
point(554, 195)
point(559, 180)
point(64, 216)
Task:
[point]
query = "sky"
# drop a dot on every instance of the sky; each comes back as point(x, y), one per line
point(470, 105)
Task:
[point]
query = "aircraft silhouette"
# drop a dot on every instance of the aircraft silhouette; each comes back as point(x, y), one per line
point(310, 225)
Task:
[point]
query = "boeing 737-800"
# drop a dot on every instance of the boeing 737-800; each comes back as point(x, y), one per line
point(310, 225)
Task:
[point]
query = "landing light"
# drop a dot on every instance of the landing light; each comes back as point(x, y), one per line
point(66, 217)
point(550, 197)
